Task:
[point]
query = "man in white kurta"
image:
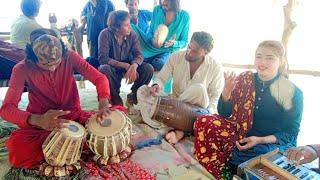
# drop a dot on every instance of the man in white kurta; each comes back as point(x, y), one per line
point(203, 89)
point(197, 77)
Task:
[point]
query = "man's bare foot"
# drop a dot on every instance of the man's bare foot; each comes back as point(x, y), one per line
point(174, 136)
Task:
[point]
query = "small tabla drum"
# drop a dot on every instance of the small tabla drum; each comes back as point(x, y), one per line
point(167, 110)
point(64, 147)
point(111, 138)
point(160, 35)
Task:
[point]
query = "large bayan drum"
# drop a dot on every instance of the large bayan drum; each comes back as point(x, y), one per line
point(111, 138)
point(64, 147)
point(160, 35)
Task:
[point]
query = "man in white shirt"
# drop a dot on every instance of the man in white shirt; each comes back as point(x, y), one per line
point(197, 77)
point(26, 23)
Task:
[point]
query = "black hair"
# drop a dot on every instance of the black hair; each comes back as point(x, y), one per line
point(116, 18)
point(173, 4)
point(127, 1)
point(204, 39)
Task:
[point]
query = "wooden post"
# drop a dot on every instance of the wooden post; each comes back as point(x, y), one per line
point(289, 26)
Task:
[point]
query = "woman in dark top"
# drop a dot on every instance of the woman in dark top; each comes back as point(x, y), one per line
point(268, 119)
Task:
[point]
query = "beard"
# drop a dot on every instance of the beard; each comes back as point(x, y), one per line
point(194, 59)
point(190, 59)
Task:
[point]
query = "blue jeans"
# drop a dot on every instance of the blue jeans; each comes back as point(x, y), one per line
point(6, 67)
point(158, 61)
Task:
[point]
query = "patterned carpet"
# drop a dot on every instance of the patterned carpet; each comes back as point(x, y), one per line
point(163, 161)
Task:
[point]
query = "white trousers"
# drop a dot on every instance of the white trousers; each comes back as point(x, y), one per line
point(196, 94)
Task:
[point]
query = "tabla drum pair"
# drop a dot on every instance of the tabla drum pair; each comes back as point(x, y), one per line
point(64, 147)
point(167, 110)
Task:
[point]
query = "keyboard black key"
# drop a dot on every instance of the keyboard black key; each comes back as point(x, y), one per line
point(287, 166)
point(291, 168)
point(304, 175)
point(310, 177)
point(296, 171)
point(280, 162)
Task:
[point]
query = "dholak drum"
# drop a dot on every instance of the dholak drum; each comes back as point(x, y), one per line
point(64, 147)
point(160, 35)
point(177, 114)
point(111, 138)
point(159, 110)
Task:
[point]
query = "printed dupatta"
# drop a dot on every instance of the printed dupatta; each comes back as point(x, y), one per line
point(215, 136)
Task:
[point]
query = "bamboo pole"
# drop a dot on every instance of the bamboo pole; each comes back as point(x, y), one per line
point(289, 25)
point(293, 71)
point(288, 28)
